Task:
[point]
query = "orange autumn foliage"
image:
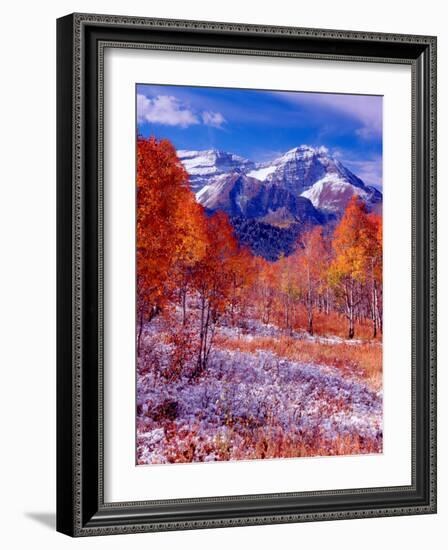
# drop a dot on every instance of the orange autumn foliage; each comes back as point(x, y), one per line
point(352, 242)
point(190, 265)
point(218, 280)
point(169, 222)
point(311, 261)
point(180, 250)
point(357, 262)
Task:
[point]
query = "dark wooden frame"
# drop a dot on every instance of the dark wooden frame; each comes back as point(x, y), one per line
point(81, 39)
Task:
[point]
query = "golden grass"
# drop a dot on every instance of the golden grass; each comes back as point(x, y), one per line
point(333, 324)
point(363, 360)
point(266, 442)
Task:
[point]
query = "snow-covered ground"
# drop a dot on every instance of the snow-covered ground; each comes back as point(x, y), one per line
point(246, 398)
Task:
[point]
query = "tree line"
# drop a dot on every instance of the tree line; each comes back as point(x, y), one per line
point(190, 263)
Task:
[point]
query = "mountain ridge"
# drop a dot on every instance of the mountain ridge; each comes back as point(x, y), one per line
point(301, 188)
point(296, 170)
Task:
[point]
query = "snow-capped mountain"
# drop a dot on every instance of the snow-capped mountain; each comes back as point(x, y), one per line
point(269, 204)
point(203, 166)
point(299, 168)
point(304, 171)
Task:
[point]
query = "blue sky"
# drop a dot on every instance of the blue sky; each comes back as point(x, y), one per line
point(261, 125)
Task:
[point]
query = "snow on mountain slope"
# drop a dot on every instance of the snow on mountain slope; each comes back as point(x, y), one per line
point(261, 172)
point(271, 203)
point(204, 165)
point(240, 195)
point(229, 182)
point(332, 194)
point(301, 167)
point(229, 192)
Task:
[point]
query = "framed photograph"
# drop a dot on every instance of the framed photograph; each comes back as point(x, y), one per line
point(246, 274)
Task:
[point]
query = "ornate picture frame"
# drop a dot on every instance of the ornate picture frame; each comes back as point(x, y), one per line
point(81, 43)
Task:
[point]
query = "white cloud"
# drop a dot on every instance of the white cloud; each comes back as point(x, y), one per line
point(164, 109)
point(213, 119)
point(367, 132)
point(370, 171)
point(366, 110)
point(168, 110)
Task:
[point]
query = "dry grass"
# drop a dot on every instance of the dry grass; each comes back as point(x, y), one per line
point(333, 324)
point(363, 360)
point(265, 442)
point(275, 443)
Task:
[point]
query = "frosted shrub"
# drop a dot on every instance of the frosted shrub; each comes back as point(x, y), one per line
point(253, 405)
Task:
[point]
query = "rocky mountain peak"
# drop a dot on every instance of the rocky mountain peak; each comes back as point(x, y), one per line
point(302, 187)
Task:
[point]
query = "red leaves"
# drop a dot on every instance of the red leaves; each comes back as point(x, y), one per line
point(169, 222)
point(191, 264)
point(180, 250)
